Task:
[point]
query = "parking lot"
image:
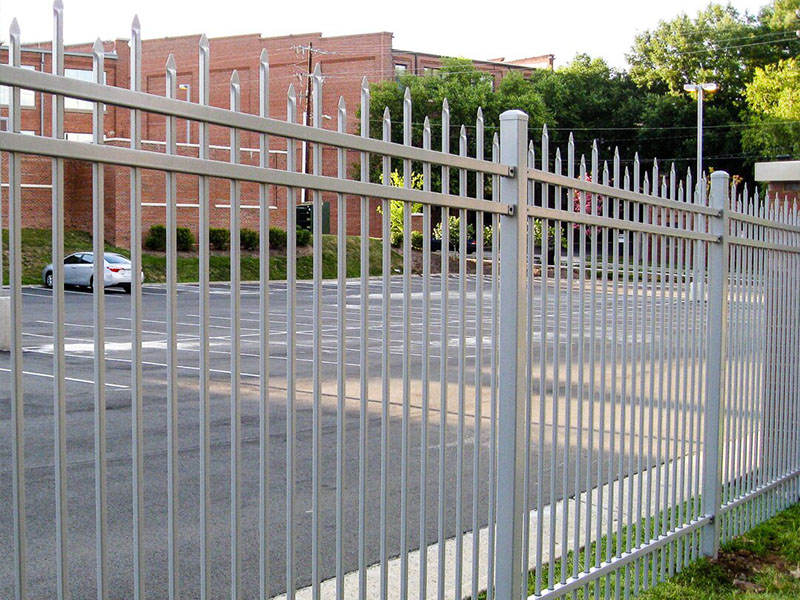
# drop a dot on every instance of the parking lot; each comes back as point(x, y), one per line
point(40, 495)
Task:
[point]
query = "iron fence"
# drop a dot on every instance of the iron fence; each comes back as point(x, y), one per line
point(596, 398)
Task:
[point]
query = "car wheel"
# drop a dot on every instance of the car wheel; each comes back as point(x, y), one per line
point(126, 287)
point(48, 279)
point(91, 283)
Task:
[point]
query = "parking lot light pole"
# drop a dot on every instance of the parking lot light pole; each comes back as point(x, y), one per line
point(700, 88)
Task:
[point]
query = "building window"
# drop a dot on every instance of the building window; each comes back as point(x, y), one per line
point(79, 137)
point(81, 75)
point(433, 71)
point(26, 97)
point(400, 69)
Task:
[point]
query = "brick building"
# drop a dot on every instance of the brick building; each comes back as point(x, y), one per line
point(344, 60)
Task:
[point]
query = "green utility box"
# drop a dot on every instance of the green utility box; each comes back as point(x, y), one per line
point(305, 216)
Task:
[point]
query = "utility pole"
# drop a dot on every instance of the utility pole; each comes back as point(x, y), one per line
point(306, 160)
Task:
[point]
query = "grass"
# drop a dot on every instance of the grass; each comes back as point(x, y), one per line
point(763, 564)
point(36, 253)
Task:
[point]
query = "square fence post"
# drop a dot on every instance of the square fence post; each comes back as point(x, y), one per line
point(513, 336)
point(715, 369)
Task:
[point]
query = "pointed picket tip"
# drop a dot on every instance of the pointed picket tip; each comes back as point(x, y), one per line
point(203, 42)
point(58, 6)
point(495, 138)
point(558, 153)
point(445, 105)
point(594, 145)
point(171, 63)
point(235, 77)
point(672, 169)
point(463, 131)
point(571, 138)
point(530, 146)
point(291, 93)
point(544, 129)
point(135, 24)
point(386, 114)
point(636, 156)
point(480, 114)
point(364, 83)
point(342, 105)
point(264, 58)
point(14, 29)
point(407, 95)
point(317, 70)
point(616, 152)
point(97, 47)
point(427, 123)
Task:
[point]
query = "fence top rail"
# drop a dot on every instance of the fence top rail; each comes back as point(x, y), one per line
point(760, 221)
point(147, 102)
point(143, 159)
point(620, 193)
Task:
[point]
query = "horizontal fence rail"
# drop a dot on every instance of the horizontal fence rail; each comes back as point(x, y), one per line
point(506, 370)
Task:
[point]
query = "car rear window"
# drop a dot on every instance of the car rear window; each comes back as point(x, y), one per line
point(116, 259)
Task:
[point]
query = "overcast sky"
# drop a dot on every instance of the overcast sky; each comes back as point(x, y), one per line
point(513, 29)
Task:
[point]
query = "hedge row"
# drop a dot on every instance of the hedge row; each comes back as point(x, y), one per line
point(220, 238)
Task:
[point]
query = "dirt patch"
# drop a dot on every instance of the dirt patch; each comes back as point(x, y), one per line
point(742, 566)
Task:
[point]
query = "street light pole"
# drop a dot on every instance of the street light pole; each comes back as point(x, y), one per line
point(700, 88)
point(188, 88)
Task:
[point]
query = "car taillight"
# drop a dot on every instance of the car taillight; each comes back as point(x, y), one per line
point(114, 269)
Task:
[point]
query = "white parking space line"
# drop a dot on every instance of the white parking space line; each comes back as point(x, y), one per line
point(75, 379)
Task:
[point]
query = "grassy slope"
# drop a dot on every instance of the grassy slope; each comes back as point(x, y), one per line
point(762, 564)
point(36, 253)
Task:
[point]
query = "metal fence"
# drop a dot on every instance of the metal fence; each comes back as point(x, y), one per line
point(596, 398)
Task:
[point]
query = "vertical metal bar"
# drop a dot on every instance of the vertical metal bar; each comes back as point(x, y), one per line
point(363, 420)
point(529, 342)
point(493, 383)
point(511, 399)
point(98, 306)
point(15, 291)
point(236, 314)
point(341, 342)
point(477, 431)
point(444, 341)
point(576, 554)
point(715, 374)
point(59, 383)
point(316, 340)
point(291, 347)
point(172, 345)
point(565, 501)
point(462, 342)
point(649, 268)
point(406, 373)
point(425, 375)
point(137, 407)
point(556, 359)
point(386, 281)
point(264, 338)
point(592, 367)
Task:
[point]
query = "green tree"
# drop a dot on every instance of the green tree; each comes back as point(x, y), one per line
point(466, 89)
point(773, 99)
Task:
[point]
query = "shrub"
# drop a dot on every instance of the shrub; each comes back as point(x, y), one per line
point(396, 238)
point(455, 231)
point(416, 240)
point(156, 238)
point(487, 236)
point(303, 237)
point(184, 239)
point(248, 239)
point(277, 238)
point(219, 238)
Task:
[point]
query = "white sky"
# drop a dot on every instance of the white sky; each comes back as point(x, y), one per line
point(517, 29)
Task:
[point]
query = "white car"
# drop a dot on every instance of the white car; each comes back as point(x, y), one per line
point(79, 270)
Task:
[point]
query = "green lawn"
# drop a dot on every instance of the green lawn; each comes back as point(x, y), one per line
point(36, 253)
point(762, 564)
